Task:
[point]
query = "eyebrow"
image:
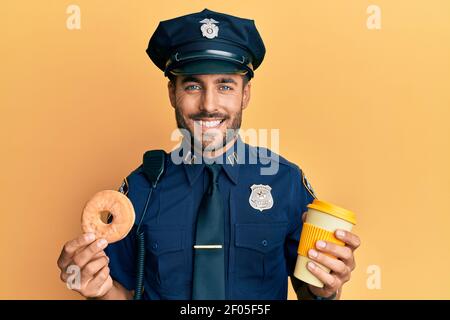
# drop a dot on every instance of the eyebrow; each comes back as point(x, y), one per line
point(190, 79)
point(225, 80)
point(197, 80)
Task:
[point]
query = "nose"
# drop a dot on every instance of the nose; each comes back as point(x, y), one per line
point(208, 103)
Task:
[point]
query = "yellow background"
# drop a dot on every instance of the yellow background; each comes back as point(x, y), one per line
point(364, 112)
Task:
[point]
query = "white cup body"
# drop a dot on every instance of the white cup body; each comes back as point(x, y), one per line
point(324, 221)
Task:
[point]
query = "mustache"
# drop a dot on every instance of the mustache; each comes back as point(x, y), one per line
point(207, 115)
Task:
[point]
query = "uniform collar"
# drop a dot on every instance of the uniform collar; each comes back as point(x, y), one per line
point(230, 162)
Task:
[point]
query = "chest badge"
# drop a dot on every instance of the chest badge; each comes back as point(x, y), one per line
point(209, 29)
point(261, 198)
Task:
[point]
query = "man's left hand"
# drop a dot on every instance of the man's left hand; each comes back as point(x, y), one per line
point(340, 267)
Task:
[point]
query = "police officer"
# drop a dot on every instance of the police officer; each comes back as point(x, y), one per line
point(213, 224)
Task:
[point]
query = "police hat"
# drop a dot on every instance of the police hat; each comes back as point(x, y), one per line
point(206, 42)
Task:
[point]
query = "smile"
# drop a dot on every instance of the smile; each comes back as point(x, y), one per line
point(209, 123)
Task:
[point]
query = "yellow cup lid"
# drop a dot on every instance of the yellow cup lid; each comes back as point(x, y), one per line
point(334, 210)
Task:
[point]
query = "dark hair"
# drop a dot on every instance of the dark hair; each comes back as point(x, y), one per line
point(173, 79)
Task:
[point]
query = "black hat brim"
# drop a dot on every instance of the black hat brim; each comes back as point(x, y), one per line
point(208, 66)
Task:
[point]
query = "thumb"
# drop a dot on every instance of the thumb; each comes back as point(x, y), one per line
point(304, 216)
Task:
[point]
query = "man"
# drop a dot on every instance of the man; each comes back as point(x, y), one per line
point(215, 226)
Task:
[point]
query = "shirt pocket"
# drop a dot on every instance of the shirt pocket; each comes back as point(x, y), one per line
point(259, 255)
point(166, 256)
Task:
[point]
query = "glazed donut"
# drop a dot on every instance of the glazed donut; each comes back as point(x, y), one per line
point(115, 203)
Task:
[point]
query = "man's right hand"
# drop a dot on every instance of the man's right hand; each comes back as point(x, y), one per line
point(85, 256)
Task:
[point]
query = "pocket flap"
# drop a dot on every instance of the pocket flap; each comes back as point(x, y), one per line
point(260, 237)
point(163, 239)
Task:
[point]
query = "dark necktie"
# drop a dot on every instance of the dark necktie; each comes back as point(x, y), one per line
point(209, 264)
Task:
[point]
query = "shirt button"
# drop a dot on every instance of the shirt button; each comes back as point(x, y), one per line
point(155, 246)
point(264, 243)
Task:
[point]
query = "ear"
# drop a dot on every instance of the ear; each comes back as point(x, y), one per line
point(171, 90)
point(246, 95)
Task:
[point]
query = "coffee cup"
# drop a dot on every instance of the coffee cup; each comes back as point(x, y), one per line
point(322, 220)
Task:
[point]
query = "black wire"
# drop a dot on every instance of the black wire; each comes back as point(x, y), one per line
point(140, 259)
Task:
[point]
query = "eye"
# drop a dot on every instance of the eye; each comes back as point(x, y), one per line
point(193, 87)
point(226, 88)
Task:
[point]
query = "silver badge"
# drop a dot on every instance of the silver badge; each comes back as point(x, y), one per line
point(209, 29)
point(261, 198)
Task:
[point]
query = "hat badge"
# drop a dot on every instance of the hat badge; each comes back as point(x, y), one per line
point(209, 29)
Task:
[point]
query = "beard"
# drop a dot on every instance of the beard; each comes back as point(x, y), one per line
point(205, 142)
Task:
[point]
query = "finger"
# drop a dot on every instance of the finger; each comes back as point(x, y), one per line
point(350, 239)
point(105, 287)
point(71, 247)
point(95, 287)
point(341, 252)
point(94, 266)
point(86, 255)
point(331, 282)
point(99, 255)
point(65, 274)
point(335, 265)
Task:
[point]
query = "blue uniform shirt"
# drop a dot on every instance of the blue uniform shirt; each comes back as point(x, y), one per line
point(260, 245)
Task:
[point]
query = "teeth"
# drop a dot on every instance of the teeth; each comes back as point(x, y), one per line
point(209, 124)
